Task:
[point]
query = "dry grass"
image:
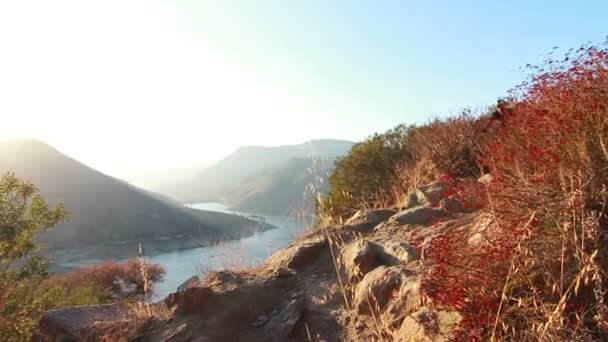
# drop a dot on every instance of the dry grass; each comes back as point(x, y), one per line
point(558, 170)
point(410, 177)
point(106, 274)
point(452, 144)
point(541, 274)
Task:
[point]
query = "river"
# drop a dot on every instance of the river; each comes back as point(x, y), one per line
point(183, 264)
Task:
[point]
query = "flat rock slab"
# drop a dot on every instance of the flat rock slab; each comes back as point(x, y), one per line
point(418, 215)
point(73, 323)
point(373, 216)
point(281, 327)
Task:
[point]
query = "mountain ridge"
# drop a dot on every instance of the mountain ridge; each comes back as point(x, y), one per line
point(107, 210)
point(218, 181)
point(290, 188)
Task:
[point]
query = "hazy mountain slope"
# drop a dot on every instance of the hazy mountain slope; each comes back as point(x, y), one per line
point(104, 209)
point(219, 180)
point(289, 188)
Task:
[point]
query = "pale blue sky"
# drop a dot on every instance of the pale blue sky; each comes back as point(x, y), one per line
point(131, 87)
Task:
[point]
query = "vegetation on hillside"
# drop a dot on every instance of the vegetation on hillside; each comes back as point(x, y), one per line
point(233, 173)
point(541, 274)
point(27, 287)
point(380, 170)
point(105, 210)
point(287, 189)
point(366, 173)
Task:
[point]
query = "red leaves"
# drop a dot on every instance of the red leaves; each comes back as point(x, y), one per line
point(107, 273)
point(553, 130)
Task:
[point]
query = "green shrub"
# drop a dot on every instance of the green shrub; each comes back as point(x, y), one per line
point(379, 171)
point(24, 304)
point(23, 213)
point(27, 287)
point(366, 173)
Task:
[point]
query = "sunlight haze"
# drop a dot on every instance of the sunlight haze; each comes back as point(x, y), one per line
point(133, 87)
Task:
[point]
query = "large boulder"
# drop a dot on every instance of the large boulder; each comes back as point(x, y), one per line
point(379, 286)
point(360, 257)
point(281, 326)
point(428, 325)
point(262, 307)
point(299, 254)
point(428, 195)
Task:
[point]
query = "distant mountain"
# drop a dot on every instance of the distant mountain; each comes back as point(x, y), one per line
point(289, 188)
point(225, 178)
point(105, 210)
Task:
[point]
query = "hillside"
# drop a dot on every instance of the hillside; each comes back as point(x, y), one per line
point(298, 292)
point(105, 210)
point(441, 253)
point(218, 181)
point(288, 188)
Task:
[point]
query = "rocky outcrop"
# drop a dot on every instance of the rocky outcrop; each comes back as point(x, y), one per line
point(192, 281)
point(428, 195)
point(378, 287)
point(362, 256)
point(370, 216)
point(260, 308)
point(418, 215)
point(283, 324)
point(299, 254)
point(332, 284)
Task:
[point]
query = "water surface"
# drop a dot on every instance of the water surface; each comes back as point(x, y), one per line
point(183, 264)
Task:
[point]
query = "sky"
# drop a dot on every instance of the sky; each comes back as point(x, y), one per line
point(138, 87)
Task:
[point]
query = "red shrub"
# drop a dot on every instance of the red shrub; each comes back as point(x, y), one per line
point(549, 164)
point(107, 274)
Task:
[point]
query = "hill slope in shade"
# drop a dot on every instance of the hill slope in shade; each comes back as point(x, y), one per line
point(286, 189)
point(105, 210)
point(220, 180)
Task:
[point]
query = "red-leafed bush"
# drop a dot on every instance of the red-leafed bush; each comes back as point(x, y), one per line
point(112, 274)
point(540, 274)
point(452, 144)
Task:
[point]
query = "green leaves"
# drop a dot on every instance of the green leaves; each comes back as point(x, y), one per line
point(23, 299)
point(367, 172)
point(23, 213)
point(34, 266)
